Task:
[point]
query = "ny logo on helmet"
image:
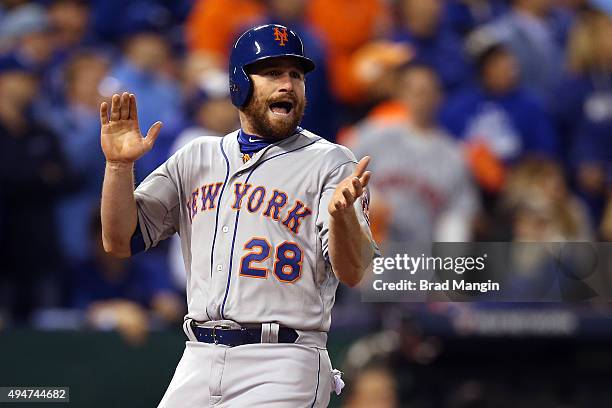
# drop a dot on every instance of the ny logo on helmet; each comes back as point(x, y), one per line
point(281, 35)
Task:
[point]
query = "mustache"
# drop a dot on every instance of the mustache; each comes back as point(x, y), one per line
point(288, 98)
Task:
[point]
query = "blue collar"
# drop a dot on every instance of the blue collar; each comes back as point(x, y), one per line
point(250, 144)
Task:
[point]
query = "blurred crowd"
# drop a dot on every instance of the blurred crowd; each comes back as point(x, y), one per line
point(487, 120)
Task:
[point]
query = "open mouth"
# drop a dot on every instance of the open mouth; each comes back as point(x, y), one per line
point(281, 108)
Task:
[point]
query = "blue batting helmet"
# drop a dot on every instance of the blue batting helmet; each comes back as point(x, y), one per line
point(259, 43)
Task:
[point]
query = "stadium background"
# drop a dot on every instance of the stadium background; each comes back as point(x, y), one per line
point(518, 94)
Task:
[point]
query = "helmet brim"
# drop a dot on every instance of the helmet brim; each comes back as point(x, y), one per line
point(307, 64)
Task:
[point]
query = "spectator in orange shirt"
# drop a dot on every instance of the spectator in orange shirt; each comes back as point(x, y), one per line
point(377, 67)
point(213, 25)
point(346, 25)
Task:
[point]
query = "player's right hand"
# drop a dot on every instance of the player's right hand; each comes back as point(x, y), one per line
point(120, 135)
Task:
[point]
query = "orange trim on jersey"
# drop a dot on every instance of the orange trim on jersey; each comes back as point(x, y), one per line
point(272, 203)
point(208, 196)
point(238, 203)
point(261, 199)
point(296, 218)
point(265, 270)
point(193, 205)
point(300, 262)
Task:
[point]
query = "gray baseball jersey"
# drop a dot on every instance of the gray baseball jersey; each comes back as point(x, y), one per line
point(423, 179)
point(254, 235)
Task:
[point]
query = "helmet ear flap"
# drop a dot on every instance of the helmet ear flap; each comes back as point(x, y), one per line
point(240, 87)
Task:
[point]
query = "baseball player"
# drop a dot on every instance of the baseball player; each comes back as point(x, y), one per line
point(271, 217)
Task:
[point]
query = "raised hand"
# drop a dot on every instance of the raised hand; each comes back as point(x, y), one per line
point(120, 135)
point(351, 188)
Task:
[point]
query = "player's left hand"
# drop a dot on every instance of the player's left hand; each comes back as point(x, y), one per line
point(350, 189)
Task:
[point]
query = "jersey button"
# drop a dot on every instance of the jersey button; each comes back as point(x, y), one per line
point(225, 229)
point(219, 267)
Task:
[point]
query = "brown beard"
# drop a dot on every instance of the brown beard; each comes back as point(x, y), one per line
point(257, 110)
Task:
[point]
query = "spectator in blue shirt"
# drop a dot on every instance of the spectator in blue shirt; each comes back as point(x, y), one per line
point(434, 45)
point(510, 120)
point(121, 294)
point(77, 123)
point(145, 69)
point(530, 33)
point(25, 34)
point(583, 109)
point(71, 31)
